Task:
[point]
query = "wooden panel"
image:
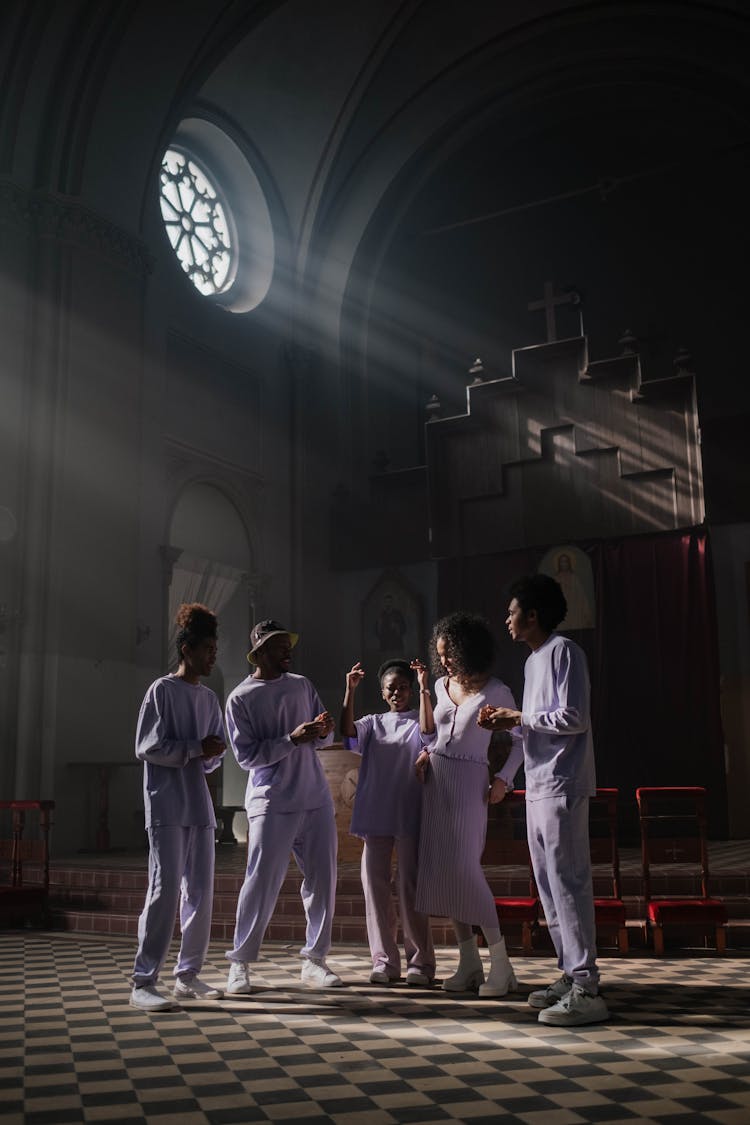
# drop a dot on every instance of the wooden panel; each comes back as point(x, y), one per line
point(553, 455)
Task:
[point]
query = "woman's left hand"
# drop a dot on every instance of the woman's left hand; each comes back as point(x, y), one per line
point(497, 791)
point(421, 764)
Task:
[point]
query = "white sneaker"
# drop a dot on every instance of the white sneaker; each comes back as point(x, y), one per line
point(238, 981)
point(193, 988)
point(546, 997)
point(316, 974)
point(380, 976)
point(576, 1007)
point(148, 999)
point(417, 979)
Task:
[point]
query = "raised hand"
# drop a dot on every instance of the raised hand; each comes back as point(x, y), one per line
point(354, 676)
point(423, 674)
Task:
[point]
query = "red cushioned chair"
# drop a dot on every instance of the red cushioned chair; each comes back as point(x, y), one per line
point(24, 900)
point(673, 837)
point(605, 864)
point(518, 911)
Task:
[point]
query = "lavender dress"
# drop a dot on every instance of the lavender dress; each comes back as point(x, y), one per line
point(451, 882)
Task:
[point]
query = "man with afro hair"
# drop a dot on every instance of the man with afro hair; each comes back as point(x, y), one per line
point(555, 724)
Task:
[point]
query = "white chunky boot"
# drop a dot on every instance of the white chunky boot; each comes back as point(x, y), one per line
point(469, 974)
point(501, 979)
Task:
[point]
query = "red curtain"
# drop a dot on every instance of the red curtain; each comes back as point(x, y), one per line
point(655, 708)
point(653, 658)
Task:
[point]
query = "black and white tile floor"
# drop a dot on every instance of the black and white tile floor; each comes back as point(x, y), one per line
point(676, 1048)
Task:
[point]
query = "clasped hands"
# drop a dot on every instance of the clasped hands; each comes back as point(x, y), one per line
point(319, 727)
point(498, 718)
point(212, 746)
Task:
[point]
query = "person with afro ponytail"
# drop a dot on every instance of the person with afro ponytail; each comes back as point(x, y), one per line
point(387, 811)
point(179, 739)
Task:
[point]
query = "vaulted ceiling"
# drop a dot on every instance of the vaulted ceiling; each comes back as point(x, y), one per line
point(373, 124)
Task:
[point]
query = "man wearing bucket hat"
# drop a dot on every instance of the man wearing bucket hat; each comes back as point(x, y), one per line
point(276, 721)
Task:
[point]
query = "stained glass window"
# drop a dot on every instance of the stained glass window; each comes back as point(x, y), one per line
point(198, 223)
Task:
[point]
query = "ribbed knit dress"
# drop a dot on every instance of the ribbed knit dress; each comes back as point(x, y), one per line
point(451, 881)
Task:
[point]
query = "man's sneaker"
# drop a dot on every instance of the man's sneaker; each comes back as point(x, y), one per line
point(546, 997)
point(380, 976)
point(148, 999)
point(576, 1008)
point(193, 988)
point(316, 974)
point(238, 981)
point(417, 979)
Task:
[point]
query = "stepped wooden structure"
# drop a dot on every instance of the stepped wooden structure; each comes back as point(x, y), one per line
point(564, 449)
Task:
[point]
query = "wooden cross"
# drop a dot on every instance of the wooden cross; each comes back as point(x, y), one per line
point(548, 303)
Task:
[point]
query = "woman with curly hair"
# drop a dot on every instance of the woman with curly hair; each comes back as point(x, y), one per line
point(451, 882)
point(180, 739)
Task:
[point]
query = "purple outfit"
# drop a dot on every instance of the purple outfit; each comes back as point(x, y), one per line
point(560, 778)
point(289, 809)
point(451, 882)
point(387, 812)
point(174, 719)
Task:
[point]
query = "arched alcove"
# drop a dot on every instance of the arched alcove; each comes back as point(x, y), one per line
point(212, 561)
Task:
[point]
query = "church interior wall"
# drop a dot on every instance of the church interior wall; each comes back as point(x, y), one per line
point(92, 589)
point(370, 126)
point(338, 631)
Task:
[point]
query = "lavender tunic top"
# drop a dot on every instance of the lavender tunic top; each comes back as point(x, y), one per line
point(388, 801)
point(261, 714)
point(175, 717)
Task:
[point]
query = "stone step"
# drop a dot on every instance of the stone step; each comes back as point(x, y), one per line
point(503, 880)
point(108, 899)
point(352, 930)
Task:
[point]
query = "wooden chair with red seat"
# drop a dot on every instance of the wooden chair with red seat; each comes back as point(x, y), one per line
point(674, 838)
point(517, 911)
point(24, 900)
point(605, 864)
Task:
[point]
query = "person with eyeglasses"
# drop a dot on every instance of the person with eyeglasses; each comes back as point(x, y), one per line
point(450, 881)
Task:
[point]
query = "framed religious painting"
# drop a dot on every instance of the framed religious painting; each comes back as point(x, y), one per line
point(392, 627)
point(571, 567)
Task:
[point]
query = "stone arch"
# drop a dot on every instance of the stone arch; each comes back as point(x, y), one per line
point(209, 551)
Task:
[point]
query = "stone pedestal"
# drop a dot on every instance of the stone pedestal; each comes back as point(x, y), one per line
point(341, 768)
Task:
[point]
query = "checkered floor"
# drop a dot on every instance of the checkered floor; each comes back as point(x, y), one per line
point(72, 1050)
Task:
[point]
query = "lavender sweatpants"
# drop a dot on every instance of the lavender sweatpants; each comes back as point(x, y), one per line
point(382, 925)
point(310, 835)
point(180, 872)
point(558, 835)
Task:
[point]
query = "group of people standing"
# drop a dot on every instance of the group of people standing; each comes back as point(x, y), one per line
point(423, 788)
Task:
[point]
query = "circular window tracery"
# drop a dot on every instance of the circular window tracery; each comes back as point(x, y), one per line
point(198, 224)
